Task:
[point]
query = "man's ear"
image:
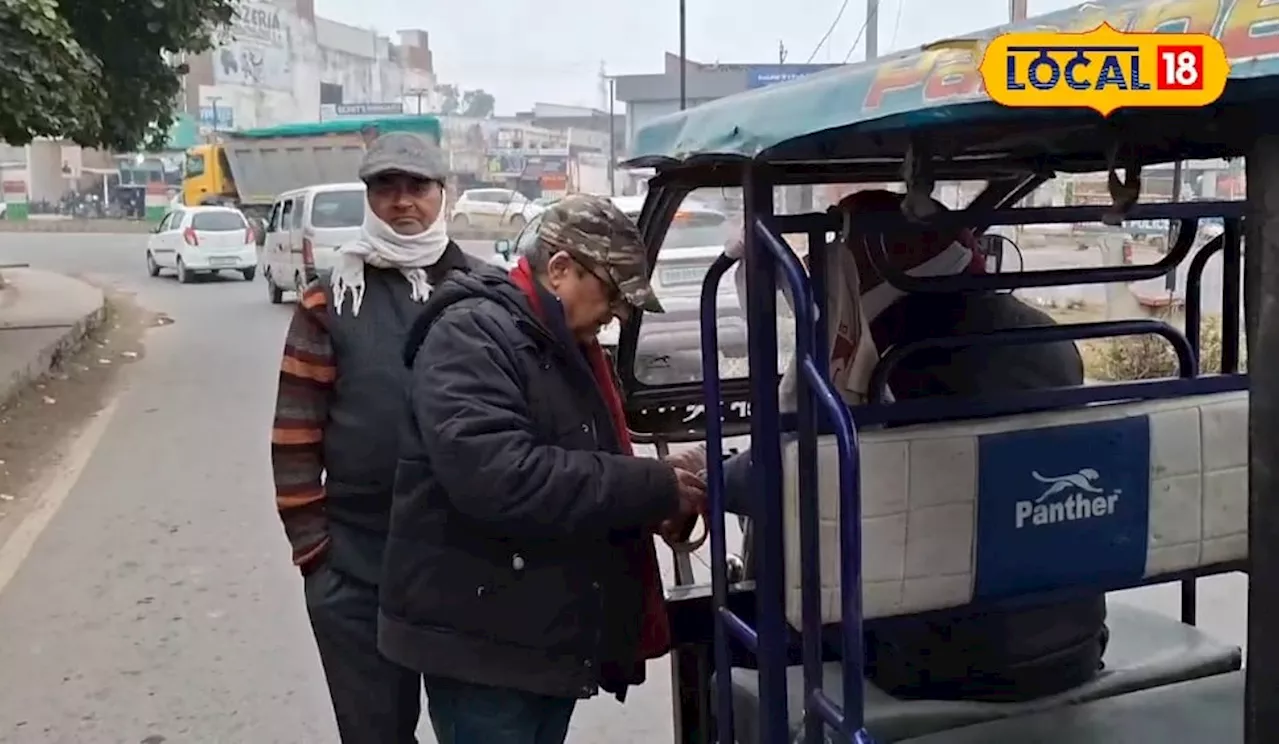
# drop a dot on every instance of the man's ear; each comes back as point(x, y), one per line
point(559, 264)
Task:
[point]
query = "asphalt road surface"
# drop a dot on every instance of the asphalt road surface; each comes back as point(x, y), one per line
point(158, 603)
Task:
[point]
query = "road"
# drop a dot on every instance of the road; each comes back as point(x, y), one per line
point(158, 604)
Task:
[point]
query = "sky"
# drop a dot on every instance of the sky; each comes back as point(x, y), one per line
point(552, 51)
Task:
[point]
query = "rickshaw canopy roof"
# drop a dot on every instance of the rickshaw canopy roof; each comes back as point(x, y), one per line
point(867, 111)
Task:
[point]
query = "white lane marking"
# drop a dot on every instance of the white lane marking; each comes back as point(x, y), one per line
point(56, 488)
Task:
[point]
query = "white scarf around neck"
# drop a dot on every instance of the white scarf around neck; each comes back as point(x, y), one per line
point(951, 261)
point(382, 247)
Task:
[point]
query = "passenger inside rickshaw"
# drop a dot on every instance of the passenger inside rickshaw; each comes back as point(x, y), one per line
point(944, 669)
point(1007, 655)
point(948, 668)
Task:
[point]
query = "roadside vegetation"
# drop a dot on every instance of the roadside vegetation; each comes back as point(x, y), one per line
point(1151, 357)
point(102, 73)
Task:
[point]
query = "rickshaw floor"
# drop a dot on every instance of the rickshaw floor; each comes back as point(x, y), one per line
point(1202, 710)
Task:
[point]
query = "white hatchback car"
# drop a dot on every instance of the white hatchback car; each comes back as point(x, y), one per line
point(200, 240)
point(493, 208)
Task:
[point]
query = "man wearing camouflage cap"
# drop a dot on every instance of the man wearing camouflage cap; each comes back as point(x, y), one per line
point(520, 574)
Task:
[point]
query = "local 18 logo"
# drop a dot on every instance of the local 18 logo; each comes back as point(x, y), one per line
point(1104, 69)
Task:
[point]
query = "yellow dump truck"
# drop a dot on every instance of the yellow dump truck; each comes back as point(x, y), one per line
point(248, 169)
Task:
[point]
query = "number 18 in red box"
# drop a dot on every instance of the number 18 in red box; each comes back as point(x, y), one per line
point(1180, 68)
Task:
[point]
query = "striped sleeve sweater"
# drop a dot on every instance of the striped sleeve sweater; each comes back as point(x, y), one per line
point(307, 373)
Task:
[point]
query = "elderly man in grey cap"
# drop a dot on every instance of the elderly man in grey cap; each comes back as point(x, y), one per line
point(342, 392)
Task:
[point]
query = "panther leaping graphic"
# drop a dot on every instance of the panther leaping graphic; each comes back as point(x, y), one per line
point(1082, 480)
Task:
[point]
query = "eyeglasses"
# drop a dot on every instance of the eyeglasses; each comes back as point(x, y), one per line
point(618, 305)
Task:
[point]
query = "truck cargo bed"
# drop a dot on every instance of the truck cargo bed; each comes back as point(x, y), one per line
point(265, 168)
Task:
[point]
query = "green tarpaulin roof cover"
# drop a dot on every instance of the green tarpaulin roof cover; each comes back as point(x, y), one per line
point(928, 86)
point(425, 125)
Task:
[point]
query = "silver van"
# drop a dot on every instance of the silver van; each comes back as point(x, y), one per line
point(304, 230)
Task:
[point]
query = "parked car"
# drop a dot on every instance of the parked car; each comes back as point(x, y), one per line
point(493, 208)
point(202, 240)
point(304, 231)
point(670, 346)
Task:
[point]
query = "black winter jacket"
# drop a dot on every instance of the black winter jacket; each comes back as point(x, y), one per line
point(504, 564)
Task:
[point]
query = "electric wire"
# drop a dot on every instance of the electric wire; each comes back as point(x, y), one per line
point(897, 24)
point(857, 39)
point(830, 30)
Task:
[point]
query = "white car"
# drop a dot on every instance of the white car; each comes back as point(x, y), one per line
point(670, 344)
point(202, 240)
point(493, 208)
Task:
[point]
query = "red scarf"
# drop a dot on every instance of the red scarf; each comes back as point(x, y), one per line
point(655, 631)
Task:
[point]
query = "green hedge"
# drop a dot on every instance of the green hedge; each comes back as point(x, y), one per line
point(1151, 357)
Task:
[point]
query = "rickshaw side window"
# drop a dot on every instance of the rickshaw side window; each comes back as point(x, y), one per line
point(669, 348)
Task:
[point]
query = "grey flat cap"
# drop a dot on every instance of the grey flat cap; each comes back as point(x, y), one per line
point(404, 152)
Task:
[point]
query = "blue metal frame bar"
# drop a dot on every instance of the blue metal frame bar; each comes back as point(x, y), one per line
point(980, 215)
point(818, 279)
point(956, 408)
point(1191, 210)
point(699, 592)
point(1231, 236)
point(766, 465)
point(816, 383)
point(810, 522)
point(766, 257)
point(715, 497)
point(1229, 242)
point(1195, 284)
point(878, 253)
point(1187, 362)
point(1188, 598)
point(904, 412)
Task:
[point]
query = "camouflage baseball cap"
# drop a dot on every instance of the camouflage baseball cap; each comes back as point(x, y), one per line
point(594, 230)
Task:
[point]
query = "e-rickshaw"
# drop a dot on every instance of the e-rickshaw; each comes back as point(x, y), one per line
point(1193, 455)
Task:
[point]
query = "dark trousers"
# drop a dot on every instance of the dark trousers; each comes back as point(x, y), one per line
point(463, 713)
point(375, 700)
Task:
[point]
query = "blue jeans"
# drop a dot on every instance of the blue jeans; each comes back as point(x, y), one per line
point(463, 713)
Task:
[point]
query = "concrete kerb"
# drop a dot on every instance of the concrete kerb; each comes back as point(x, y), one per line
point(108, 226)
point(48, 355)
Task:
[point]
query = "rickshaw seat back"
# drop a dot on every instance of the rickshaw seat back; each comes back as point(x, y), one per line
point(984, 511)
point(1146, 650)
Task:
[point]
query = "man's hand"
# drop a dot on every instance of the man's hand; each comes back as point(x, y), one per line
point(693, 498)
point(693, 493)
point(693, 459)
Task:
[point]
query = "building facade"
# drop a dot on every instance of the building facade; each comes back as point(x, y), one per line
point(280, 64)
point(648, 97)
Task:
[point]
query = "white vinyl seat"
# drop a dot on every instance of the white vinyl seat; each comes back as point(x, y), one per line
point(965, 511)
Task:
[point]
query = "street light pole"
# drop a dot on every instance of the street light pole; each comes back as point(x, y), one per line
point(613, 145)
point(873, 29)
point(683, 62)
point(213, 105)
